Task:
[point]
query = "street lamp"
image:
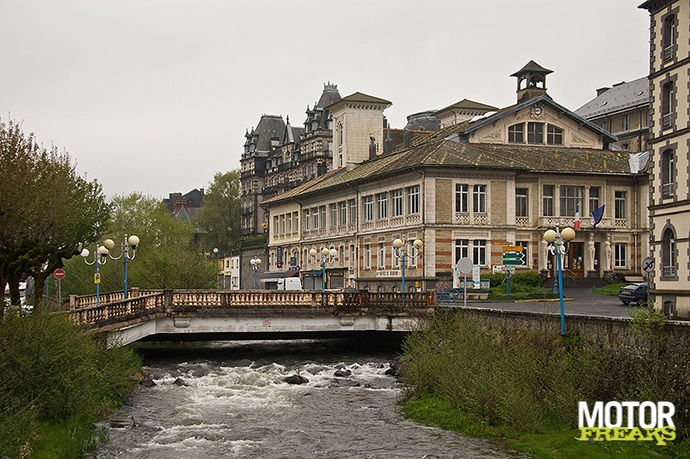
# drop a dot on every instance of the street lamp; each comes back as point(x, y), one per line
point(399, 249)
point(557, 240)
point(100, 256)
point(326, 256)
point(133, 242)
point(255, 262)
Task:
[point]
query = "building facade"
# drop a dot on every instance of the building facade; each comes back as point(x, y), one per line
point(503, 177)
point(622, 109)
point(669, 191)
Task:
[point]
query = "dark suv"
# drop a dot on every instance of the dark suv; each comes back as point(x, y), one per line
point(634, 293)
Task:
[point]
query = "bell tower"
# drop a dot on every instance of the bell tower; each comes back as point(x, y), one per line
point(531, 81)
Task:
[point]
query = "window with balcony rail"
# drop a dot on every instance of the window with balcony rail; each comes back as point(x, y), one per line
point(668, 254)
point(668, 37)
point(667, 173)
point(667, 105)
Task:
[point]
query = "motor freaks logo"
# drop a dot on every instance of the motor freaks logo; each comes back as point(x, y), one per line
point(627, 421)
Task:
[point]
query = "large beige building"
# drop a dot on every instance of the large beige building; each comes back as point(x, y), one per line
point(669, 192)
point(500, 178)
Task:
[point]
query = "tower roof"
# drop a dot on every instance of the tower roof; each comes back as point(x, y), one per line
point(532, 67)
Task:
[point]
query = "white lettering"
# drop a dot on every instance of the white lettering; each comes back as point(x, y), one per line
point(593, 418)
point(609, 416)
point(631, 412)
point(665, 411)
point(652, 415)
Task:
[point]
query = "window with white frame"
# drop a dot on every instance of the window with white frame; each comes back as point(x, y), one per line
point(333, 208)
point(619, 255)
point(382, 205)
point(414, 255)
point(413, 199)
point(521, 202)
point(535, 133)
point(322, 218)
point(352, 206)
point(462, 197)
point(571, 199)
point(353, 256)
point(342, 210)
point(397, 198)
point(594, 196)
point(479, 199)
point(289, 223)
point(367, 256)
point(382, 255)
point(516, 133)
point(479, 252)
point(315, 218)
point(368, 208)
point(462, 249)
point(295, 222)
point(619, 207)
point(547, 205)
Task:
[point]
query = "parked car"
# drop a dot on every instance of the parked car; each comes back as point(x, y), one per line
point(634, 293)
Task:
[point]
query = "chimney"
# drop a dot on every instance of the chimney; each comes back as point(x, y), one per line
point(407, 138)
point(372, 147)
point(601, 91)
point(388, 144)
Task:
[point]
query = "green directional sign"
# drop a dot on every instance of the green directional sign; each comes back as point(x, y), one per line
point(513, 258)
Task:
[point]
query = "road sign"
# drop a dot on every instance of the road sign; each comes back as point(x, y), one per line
point(513, 258)
point(97, 278)
point(512, 248)
point(648, 264)
point(59, 273)
point(464, 265)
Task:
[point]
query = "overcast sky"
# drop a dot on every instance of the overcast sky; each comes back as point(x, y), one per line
point(155, 95)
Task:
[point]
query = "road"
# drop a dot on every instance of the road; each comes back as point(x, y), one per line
point(578, 301)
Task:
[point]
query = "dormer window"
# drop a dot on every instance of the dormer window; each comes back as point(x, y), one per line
point(554, 135)
point(516, 133)
point(535, 133)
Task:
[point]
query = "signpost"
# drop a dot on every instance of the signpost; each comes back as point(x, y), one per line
point(464, 267)
point(59, 274)
point(512, 257)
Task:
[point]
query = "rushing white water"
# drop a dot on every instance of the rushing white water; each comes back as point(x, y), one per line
point(236, 404)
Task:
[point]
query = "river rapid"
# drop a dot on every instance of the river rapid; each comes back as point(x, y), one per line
point(231, 401)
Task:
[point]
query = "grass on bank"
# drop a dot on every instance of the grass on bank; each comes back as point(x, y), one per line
point(55, 381)
point(522, 382)
point(555, 443)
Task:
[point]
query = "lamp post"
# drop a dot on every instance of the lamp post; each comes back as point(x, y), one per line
point(326, 256)
point(557, 240)
point(399, 249)
point(100, 256)
point(133, 242)
point(255, 262)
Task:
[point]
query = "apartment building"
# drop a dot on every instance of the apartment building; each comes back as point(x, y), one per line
point(669, 126)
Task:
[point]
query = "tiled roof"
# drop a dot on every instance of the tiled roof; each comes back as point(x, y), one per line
point(467, 105)
point(439, 152)
point(361, 97)
point(619, 97)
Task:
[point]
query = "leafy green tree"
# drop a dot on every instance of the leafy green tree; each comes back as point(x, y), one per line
point(218, 220)
point(166, 257)
point(47, 209)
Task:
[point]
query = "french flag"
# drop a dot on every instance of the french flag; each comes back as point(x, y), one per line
point(576, 222)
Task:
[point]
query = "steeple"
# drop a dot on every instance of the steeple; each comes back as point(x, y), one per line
point(531, 81)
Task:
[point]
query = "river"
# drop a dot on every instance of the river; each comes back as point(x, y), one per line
point(231, 401)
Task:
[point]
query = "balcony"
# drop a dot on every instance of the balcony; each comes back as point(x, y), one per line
point(667, 120)
point(668, 271)
point(668, 52)
point(668, 190)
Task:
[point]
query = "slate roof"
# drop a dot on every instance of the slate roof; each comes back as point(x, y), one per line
point(620, 97)
point(361, 97)
point(270, 126)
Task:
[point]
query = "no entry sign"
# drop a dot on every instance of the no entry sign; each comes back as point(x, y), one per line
point(59, 273)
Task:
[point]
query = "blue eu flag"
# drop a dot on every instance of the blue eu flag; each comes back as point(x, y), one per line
point(597, 215)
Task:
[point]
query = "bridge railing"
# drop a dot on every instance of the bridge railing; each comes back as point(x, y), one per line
point(85, 311)
point(120, 309)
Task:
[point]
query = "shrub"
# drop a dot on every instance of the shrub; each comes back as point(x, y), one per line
point(51, 371)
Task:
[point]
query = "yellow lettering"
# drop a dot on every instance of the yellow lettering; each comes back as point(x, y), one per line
point(659, 435)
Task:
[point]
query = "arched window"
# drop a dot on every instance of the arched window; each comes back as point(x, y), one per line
point(667, 173)
point(667, 103)
point(668, 37)
point(668, 253)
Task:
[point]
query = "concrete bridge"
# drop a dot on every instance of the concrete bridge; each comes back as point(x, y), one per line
point(200, 315)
